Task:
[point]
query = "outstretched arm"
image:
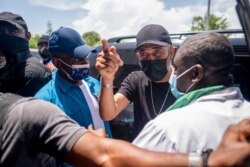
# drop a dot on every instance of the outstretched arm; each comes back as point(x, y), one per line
point(91, 150)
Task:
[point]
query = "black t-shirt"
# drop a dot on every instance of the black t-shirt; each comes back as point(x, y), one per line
point(137, 88)
point(25, 76)
point(36, 133)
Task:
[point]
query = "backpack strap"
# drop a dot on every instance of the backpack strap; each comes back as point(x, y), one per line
point(6, 101)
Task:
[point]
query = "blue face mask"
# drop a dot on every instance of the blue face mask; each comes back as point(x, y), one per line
point(78, 72)
point(173, 83)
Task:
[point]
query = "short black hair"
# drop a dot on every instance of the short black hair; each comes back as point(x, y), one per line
point(212, 50)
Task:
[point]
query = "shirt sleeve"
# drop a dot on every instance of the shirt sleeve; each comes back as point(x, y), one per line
point(154, 138)
point(49, 129)
point(128, 87)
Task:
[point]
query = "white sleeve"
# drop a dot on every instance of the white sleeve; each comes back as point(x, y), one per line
point(153, 137)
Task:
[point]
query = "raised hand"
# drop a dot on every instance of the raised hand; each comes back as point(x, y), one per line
point(234, 149)
point(108, 61)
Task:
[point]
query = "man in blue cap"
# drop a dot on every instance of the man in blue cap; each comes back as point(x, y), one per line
point(71, 87)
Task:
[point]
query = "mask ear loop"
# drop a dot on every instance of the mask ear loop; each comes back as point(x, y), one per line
point(67, 74)
point(65, 63)
point(184, 74)
point(190, 87)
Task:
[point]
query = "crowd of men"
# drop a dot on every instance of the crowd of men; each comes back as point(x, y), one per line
point(187, 110)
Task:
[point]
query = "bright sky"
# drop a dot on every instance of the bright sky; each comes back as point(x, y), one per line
point(112, 18)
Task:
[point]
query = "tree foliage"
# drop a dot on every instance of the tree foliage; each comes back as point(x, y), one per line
point(33, 41)
point(91, 38)
point(214, 23)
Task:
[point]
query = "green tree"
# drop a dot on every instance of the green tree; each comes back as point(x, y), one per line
point(33, 41)
point(91, 38)
point(214, 23)
point(49, 28)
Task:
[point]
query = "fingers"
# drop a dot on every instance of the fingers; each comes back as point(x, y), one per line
point(244, 130)
point(100, 132)
point(90, 127)
point(110, 53)
point(237, 133)
point(105, 47)
point(234, 149)
point(108, 61)
point(103, 62)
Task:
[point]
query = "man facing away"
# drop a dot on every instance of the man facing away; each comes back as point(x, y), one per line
point(71, 88)
point(148, 90)
point(207, 100)
point(22, 73)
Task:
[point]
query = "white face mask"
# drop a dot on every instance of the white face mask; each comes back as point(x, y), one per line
point(173, 83)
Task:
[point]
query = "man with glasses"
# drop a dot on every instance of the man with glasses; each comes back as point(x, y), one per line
point(20, 72)
point(71, 88)
point(148, 90)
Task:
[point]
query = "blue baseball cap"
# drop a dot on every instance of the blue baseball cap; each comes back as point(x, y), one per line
point(69, 41)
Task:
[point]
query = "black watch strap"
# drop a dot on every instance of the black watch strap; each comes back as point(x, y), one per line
point(205, 154)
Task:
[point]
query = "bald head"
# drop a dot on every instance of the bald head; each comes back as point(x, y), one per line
point(213, 51)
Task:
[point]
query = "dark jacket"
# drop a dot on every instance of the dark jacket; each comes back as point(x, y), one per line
point(25, 76)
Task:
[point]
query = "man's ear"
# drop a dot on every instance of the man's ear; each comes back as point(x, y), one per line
point(198, 73)
point(55, 62)
point(172, 51)
point(28, 35)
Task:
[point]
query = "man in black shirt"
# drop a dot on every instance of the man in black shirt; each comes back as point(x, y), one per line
point(147, 89)
point(22, 73)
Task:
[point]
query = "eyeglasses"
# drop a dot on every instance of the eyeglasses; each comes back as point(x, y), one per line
point(156, 53)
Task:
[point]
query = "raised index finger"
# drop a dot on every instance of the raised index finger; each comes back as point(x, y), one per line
point(105, 47)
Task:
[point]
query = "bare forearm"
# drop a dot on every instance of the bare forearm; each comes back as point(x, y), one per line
point(93, 151)
point(123, 154)
point(106, 100)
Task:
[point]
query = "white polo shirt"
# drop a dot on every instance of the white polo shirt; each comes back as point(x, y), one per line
point(196, 126)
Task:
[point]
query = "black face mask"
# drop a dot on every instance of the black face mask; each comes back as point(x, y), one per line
point(45, 54)
point(155, 70)
point(11, 45)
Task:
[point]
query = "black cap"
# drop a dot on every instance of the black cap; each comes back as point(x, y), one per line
point(153, 34)
point(43, 39)
point(14, 19)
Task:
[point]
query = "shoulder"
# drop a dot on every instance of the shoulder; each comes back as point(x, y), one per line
point(34, 66)
point(136, 77)
point(185, 118)
point(47, 90)
point(31, 108)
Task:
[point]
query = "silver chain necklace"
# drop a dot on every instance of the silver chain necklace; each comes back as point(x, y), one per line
point(151, 91)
